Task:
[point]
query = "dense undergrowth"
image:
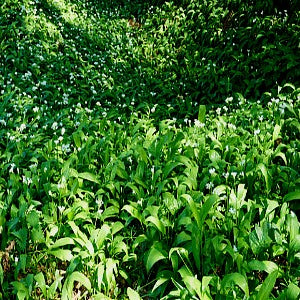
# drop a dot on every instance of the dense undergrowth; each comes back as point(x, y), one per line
point(149, 150)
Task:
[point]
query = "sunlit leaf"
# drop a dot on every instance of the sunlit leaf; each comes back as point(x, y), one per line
point(237, 279)
point(267, 286)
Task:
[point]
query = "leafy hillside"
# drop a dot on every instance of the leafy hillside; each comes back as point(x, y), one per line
point(149, 150)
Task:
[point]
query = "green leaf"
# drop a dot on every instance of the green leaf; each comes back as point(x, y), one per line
point(158, 224)
point(191, 282)
point(169, 167)
point(292, 196)
point(264, 171)
point(33, 218)
point(267, 286)
point(154, 256)
point(276, 132)
point(67, 290)
point(88, 176)
point(132, 294)
point(133, 212)
point(267, 266)
point(22, 290)
point(62, 242)
point(193, 208)
point(293, 292)
point(206, 207)
point(237, 279)
point(201, 113)
point(62, 254)
point(99, 235)
point(37, 235)
point(116, 227)
point(40, 279)
point(81, 278)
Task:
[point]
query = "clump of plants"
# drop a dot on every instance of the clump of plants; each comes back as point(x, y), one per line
point(148, 150)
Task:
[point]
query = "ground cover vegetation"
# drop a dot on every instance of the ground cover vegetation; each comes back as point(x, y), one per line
point(149, 150)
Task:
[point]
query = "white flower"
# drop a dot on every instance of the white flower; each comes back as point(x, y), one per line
point(212, 171)
point(209, 185)
point(229, 99)
point(232, 210)
point(12, 166)
point(233, 174)
point(3, 122)
point(66, 148)
point(225, 175)
point(256, 132)
point(235, 249)
point(260, 118)
point(26, 180)
point(54, 126)
point(22, 127)
point(198, 124)
point(218, 110)
point(61, 208)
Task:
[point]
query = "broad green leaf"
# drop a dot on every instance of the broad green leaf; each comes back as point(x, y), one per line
point(264, 171)
point(154, 256)
point(88, 176)
point(62, 242)
point(169, 167)
point(62, 254)
point(267, 286)
point(116, 227)
point(214, 156)
point(292, 226)
point(267, 266)
point(158, 224)
point(33, 218)
point(293, 292)
point(81, 278)
point(205, 282)
point(40, 279)
point(121, 172)
point(276, 132)
point(282, 156)
point(201, 113)
point(191, 282)
point(99, 235)
point(292, 196)
point(193, 208)
point(196, 245)
point(100, 274)
point(160, 282)
point(67, 290)
point(133, 212)
point(132, 294)
point(22, 290)
point(237, 279)
point(109, 212)
point(206, 207)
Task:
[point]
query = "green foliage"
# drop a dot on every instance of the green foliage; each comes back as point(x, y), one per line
point(149, 149)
